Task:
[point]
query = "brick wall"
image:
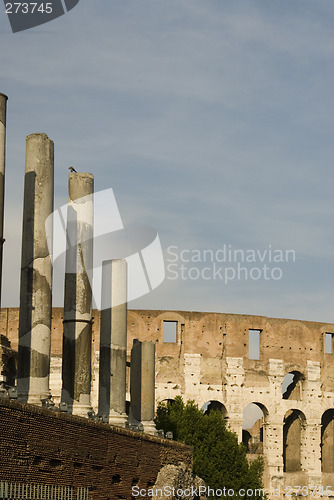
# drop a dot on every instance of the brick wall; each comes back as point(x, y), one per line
point(42, 446)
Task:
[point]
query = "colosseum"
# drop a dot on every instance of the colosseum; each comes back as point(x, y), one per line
point(230, 361)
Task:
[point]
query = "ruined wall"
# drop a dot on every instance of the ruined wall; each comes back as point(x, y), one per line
point(209, 361)
point(8, 363)
point(46, 447)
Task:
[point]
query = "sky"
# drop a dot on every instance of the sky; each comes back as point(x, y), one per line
point(212, 121)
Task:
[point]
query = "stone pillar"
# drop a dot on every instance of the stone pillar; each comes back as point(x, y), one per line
point(36, 273)
point(142, 385)
point(235, 422)
point(312, 450)
point(112, 375)
point(77, 332)
point(273, 447)
point(3, 106)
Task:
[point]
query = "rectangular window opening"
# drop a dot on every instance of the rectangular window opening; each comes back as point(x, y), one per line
point(169, 331)
point(329, 343)
point(254, 344)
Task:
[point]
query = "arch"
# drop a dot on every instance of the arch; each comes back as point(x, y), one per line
point(167, 400)
point(292, 385)
point(213, 405)
point(327, 441)
point(254, 416)
point(293, 430)
point(263, 408)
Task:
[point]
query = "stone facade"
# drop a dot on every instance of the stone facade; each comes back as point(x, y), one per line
point(207, 359)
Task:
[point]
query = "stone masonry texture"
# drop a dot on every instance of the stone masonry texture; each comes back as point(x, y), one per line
point(48, 447)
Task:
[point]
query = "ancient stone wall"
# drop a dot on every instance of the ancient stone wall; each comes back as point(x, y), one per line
point(50, 448)
point(208, 357)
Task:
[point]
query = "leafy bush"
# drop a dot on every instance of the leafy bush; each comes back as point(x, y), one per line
point(218, 457)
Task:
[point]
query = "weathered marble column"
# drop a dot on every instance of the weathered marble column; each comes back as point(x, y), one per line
point(77, 333)
point(3, 108)
point(113, 335)
point(36, 273)
point(142, 385)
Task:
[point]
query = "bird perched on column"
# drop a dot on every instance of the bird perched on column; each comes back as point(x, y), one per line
point(72, 169)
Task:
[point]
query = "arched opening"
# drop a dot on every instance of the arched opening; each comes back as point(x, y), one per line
point(293, 427)
point(327, 441)
point(166, 401)
point(292, 386)
point(214, 405)
point(254, 416)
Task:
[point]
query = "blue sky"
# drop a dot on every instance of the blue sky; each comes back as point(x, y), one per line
point(211, 120)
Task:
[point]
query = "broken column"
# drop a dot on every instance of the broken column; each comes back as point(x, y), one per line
point(113, 341)
point(77, 332)
point(36, 273)
point(142, 385)
point(3, 107)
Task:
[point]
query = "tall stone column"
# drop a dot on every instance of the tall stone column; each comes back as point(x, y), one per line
point(3, 108)
point(36, 273)
point(77, 332)
point(142, 385)
point(113, 342)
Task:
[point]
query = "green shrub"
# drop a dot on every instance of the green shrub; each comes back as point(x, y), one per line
point(218, 457)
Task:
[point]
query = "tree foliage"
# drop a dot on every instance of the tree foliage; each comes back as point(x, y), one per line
point(218, 457)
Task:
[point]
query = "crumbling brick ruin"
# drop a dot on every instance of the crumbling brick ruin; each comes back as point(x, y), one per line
point(41, 447)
